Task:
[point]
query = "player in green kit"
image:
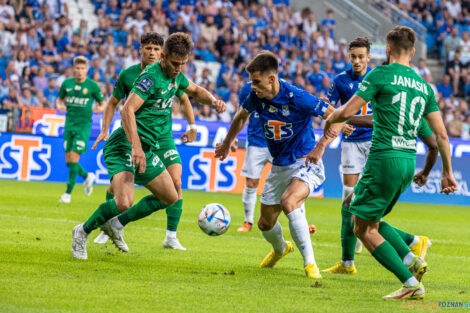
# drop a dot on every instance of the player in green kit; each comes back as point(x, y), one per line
point(150, 50)
point(400, 98)
point(78, 93)
point(130, 151)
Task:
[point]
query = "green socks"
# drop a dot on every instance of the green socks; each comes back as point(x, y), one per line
point(109, 195)
point(81, 171)
point(104, 212)
point(173, 215)
point(389, 234)
point(407, 238)
point(388, 257)
point(73, 171)
point(145, 207)
point(348, 239)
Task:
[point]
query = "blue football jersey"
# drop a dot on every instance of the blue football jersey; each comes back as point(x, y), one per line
point(255, 128)
point(287, 121)
point(343, 88)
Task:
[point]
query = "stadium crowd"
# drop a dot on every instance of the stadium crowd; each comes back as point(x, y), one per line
point(38, 44)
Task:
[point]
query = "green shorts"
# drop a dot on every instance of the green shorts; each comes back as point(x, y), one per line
point(382, 183)
point(75, 141)
point(167, 152)
point(117, 154)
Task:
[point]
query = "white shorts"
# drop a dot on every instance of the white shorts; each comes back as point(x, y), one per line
point(354, 156)
point(281, 176)
point(255, 160)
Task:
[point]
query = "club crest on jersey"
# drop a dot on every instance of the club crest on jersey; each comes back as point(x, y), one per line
point(263, 105)
point(85, 91)
point(272, 109)
point(145, 84)
point(351, 85)
point(285, 110)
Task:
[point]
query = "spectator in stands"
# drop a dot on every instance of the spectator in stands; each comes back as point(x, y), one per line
point(41, 81)
point(7, 15)
point(28, 98)
point(194, 28)
point(464, 42)
point(98, 35)
point(466, 128)
point(25, 125)
point(138, 22)
point(309, 24)
point(455, 126)
point(451, 42)
point(206, 114)
point(179, 26)
point(13, 102)
point(329, 22)
point(316, 76)
point(422, 69)
point(161, 27)
point(209, 31)
point(51, 93)
point(456, 70)
point(445, 88)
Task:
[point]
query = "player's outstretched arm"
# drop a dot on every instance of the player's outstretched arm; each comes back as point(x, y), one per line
point(133, 103)
point(364, 121)
point(205, 97)
point(345, 112)
point(434, 120)
point(187, 109)
point(108, 114)
point(431, 158)
point(239, 121)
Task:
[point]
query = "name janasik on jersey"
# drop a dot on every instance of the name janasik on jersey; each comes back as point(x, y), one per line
point(409, 82)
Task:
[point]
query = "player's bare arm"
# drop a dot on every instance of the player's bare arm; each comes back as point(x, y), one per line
point(133, 103)
point(317, 153)
point(59, 104)
point(434, 120)
point(205, 97)
point(187, 110)
point(239, 121)
point(108, 114)
point(364, 121)
point(431, 158)
point(345, 112)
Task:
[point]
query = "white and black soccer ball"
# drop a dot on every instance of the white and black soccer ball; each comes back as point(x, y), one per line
point(214, 219)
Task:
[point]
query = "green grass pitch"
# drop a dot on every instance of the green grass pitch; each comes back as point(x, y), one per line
point(215, 274)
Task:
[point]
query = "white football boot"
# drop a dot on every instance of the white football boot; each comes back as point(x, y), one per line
point(79, 243)
point(88, 184)
point(116, 234)
point(102, 238)
point(65, 198)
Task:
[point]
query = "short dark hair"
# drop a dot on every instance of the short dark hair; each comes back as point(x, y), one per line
point(152, 38)
point(178, 43)
point(401, 39)
point(264, 62)
point(360, 42)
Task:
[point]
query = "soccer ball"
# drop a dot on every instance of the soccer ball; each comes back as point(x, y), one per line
point(214, 219)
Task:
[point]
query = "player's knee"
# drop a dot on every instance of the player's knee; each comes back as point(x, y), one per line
point(252, 183)
point(288, 204)
point(264, 225)
point(171, 198)
point(124, 203)
point(177, 184)
point(359, 231)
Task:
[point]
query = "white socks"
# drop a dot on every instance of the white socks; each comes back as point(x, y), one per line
point(347, 191)
point(170, 234)
point(411, 282)
point(275, 238)
point(408, 259)
point(299, 231)
point(415, 241)
point(249, 202)
point(347, 263)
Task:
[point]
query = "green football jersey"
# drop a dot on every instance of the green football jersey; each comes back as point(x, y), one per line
point(126, 80)
point(157, 90)
point(79, 101)
point(399, 98)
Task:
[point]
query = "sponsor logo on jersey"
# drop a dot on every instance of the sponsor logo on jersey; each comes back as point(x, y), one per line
point(278, 130)
point(25, 158)
point(68, 89)
point(77, 87)
point(399, 142)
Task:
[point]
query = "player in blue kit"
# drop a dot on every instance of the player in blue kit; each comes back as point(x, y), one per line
point(256, 157)
point(286, 116)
